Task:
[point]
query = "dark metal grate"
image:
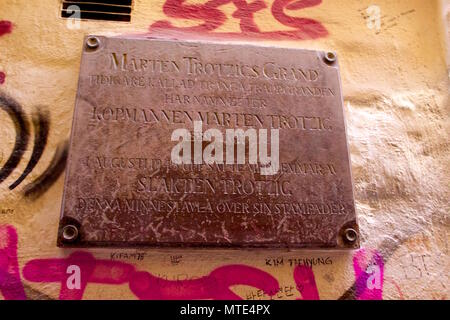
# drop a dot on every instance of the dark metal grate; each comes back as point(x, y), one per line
point(112, 10)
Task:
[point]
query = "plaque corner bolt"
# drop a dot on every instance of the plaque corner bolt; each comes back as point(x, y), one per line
point(92, 43)
point(69, 233)
point(350, 235)
point(330, 57)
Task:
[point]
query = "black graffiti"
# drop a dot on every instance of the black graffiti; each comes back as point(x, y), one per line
point(41, 126)
point(51, 174)
point(14, 110)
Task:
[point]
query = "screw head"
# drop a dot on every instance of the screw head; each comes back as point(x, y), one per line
point(70, 233)
point(330, 57)
point(92, 42)
point(350, 235)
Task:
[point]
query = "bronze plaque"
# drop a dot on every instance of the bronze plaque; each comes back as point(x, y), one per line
point(209, 145)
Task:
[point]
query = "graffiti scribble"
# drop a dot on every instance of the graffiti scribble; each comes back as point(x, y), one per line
point(216, 285)
point(14, 110)
point(143, 284)
point(10, 284)
point(92, 271)
point(211, 18)
point(369, 271)
point(306, 283)
point(51, 174)
point(368, 266)
point(41, 125)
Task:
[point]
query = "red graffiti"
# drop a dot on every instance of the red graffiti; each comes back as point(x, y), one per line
point(368, 267)
point(211, 18)
point(2, 77)
point(10, 284)
point(5, 27)
point(397, 287)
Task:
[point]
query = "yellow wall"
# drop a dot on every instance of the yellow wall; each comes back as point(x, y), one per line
point(395, 82)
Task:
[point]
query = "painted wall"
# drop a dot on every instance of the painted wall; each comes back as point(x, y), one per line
point(395, 82)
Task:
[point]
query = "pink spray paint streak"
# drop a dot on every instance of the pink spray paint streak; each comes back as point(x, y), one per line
point(368, 266)
point(92, 271)
point(143, 284)
point(216, 285)
point(5, 28)
point(306, 283)
point(10, 284)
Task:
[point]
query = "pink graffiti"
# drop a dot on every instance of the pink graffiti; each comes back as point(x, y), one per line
point(306, 283)
point(143, 284)
point(92, 271)
point(216, 285)
point(2, 77)
point(368, 266)
point(10, 284)
point(211, 18)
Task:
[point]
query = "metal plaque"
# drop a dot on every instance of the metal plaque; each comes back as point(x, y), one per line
point(180, 143)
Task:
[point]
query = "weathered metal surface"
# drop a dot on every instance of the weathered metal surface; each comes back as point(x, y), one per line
point(123, 189)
